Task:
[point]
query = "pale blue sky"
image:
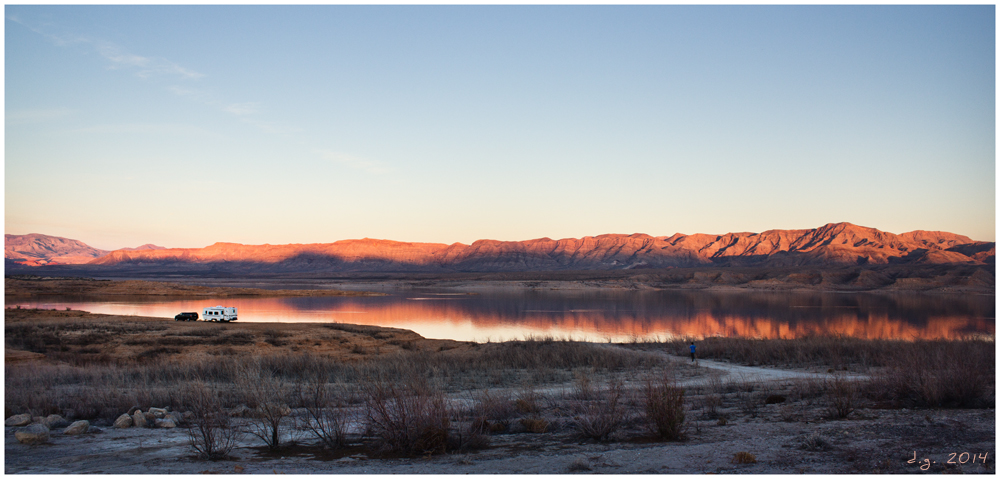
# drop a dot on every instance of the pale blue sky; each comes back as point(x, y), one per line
point(186, 125)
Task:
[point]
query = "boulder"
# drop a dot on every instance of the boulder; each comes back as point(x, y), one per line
point(176, 418)
point(18, 420)
point(53, 421)
point(32, 434)
point(158, 412)
point(139, 419)
point(78, 427)
point(166, 423)
point(149, 417)
point(132, 411)
point(123, 421)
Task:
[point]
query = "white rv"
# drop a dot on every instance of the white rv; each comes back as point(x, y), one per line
point(219, 313)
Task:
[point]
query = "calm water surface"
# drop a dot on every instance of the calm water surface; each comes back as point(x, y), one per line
point(602, 315)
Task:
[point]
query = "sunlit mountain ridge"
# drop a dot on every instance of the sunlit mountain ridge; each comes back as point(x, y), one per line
point(835, 244)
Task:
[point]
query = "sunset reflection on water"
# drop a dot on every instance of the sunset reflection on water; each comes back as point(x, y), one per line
point(606, 316)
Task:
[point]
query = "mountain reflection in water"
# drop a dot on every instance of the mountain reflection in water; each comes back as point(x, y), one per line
point(603, 315)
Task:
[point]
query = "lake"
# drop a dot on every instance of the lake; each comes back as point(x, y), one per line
point(601, 315)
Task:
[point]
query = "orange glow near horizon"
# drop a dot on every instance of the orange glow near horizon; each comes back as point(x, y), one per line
point(444, 318)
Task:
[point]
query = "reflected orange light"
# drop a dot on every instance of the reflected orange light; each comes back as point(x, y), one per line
point(449, 320)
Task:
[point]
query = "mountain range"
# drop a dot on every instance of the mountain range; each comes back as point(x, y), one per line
point(39, 250)
point(835, 244)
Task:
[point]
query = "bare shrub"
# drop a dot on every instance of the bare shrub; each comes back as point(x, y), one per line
point(711, 399)
point(493, 410)
point(210, 432)
point(744, 457)
point(474, 436)
point(843, 396)
point(938, 374)
point(267, 396)
point(664, 407)
point(528, 401)
point(324, 419)
point(815, 442)
point(748, 399)
point(535, 424)
point(603, 417)
point(411, 419)
point(583, 387)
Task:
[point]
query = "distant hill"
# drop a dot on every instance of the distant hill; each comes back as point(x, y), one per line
point(143, 247)
point(835, 244)
point(39, 250)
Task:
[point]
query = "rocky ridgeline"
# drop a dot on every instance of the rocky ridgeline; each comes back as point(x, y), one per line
point(30, 429)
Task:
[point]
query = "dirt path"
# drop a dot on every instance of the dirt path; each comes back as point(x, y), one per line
point(735, 372)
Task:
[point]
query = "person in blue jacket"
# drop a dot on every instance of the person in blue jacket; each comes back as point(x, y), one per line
point(692, 351)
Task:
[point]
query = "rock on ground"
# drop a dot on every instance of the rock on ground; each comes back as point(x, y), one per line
point(139, 419)
point(78, 427)
point(32, 434)
point(18, 420)
point(158, 412)
point(53, 421)
point(123, 421)
point(166, 423)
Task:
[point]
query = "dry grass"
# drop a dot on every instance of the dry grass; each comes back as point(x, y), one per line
point(837, 353)
point(664, 407)
point(938, 374)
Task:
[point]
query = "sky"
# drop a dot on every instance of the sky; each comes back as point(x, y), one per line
point(183, 126)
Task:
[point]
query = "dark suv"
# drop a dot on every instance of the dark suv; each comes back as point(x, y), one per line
point(186, 317)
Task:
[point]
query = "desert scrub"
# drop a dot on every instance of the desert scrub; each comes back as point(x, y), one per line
point(601, 417)
point(534, 424)
point(492, 411)
point(837, 353)
point(950, 374)
point(268, 396)
point(210, 432)
point(843, 396)
point(664, 407)
point(409, 419)
point(325, 420)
